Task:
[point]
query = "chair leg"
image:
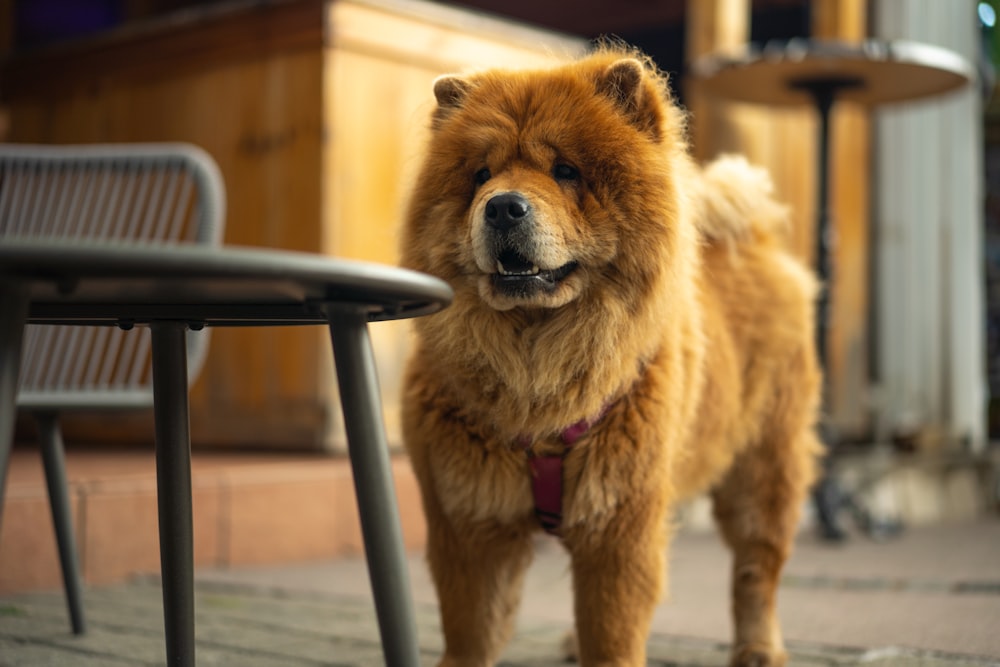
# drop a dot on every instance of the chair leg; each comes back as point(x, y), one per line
point(173, 490)
point(54, 460)
point(13, 314)
point(369, 452)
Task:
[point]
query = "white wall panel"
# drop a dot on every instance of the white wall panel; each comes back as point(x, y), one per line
point(927, 220)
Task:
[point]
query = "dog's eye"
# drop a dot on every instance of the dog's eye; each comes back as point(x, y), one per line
point(564, 172)
point(482, 176)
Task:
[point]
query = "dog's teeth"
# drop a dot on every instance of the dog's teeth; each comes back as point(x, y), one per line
point(533, 271)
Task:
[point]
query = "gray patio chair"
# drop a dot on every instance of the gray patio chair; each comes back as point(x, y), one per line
point(118, 193)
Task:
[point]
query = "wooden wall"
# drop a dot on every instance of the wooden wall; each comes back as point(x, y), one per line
point(931, 339)
point(315, 112)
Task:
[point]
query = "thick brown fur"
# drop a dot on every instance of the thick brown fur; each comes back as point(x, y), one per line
point(683, 315)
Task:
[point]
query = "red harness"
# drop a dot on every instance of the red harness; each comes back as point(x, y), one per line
point(547, 476)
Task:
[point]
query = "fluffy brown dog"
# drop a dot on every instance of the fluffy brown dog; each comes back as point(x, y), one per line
point(623, 317)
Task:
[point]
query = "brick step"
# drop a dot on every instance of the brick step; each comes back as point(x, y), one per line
point(249, 509)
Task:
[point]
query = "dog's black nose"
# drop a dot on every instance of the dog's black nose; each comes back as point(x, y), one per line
point(506, 211)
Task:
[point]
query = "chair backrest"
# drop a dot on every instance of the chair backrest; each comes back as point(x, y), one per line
point(136, 193)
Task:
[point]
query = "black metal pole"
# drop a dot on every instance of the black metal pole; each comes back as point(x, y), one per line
point(827, 497)
point(54, 461)
point(825, 233)
point(173, 490)
point(369, 452)
point(13, 314)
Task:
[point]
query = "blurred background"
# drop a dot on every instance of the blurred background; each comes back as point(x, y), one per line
point(316, 112)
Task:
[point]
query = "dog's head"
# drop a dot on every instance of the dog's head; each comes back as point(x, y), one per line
point(526, 238)
point(537, 184)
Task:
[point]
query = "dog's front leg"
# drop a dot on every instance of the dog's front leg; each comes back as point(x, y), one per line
point(618, 573)
point(478, 569)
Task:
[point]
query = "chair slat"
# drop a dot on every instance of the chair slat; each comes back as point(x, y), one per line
point(138, 193)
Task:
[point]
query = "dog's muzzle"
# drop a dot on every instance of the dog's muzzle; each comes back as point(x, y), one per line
point(510, 225)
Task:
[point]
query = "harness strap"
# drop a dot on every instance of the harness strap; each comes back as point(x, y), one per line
point(546, 486)
point(547, 476)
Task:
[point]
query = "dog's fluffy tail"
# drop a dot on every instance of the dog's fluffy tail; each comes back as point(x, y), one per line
point(737, 201)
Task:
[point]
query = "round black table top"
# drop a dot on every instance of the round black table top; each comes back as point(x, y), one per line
point(872, 72)
point(123, 284)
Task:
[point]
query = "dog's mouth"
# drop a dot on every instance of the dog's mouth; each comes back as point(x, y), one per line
point(516, 275)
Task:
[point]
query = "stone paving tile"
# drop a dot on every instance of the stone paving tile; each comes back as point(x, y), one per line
point(38, 655)
point(251, 627)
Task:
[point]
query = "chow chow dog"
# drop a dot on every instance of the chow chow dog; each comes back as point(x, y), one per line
point(628, 331)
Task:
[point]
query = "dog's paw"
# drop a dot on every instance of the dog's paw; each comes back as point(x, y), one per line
point(758, 656)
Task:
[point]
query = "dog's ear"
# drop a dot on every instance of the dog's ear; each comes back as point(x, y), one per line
point(627, 85)
point(449, 90)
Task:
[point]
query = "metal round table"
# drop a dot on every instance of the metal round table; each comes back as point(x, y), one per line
point(819, 73)
point(173, 288)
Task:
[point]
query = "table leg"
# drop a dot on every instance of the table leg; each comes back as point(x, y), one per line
point(54, 461)
point(829, 499)
point(359, 396)
point(13, 314)
point(827, 496)
point(173, 488)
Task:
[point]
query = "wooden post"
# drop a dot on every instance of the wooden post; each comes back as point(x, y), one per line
point(715, 26)
point(840, 19)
